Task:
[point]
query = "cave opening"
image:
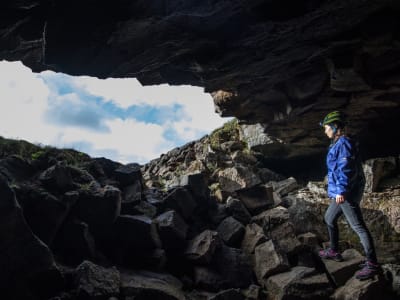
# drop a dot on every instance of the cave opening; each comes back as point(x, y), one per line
point(116, 118)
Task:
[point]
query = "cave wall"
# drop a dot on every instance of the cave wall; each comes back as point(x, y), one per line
point(280, 64)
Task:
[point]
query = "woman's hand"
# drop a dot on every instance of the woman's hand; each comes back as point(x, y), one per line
point(339, 199)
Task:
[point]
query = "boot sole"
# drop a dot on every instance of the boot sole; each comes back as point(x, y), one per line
point(331, 258)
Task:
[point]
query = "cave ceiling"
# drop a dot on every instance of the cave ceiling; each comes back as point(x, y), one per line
point(280, 63)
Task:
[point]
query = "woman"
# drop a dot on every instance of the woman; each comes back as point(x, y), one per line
point(345, 189)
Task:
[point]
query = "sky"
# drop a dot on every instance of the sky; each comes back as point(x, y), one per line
point(114, 118)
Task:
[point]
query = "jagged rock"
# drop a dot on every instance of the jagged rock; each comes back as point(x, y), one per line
point(268, 175)
point(289, 200)
point(43, 212)
point(318, 188)
point(218, 194)
point(57, 177)
point(237, 210)
point(98, 207)
point(131, 239)
point(347, 80)
point(232, 146)
point(277, 199)
point(305, 257)
point(151, 285)
point(313, 287)
point(257, 198)
point(128, 174)
point(234, 267)
point(96, 282)
point(132, 193)
point(340, 272)
point(357, 290)
point(240, 157)
point(102, 167)
point(154, 197)
point(231, 231)
point(272, 217)
point(80, 176)
point(172, 229)
point(237, 178)
point(252, 292)
point(27, 264)
point(306, 212)
point(201, 249)
point(181, 200)
point(253, 236)
point(198, 295)
point(269, 260)
point(376, 169)
point(308, 239)
point(290, 284)
point(156, 259)
point(208, 279)
point(141, 208)
point(74, 243)
point(392, 274)
point(70, 198)
point(218, 214)
point(284, 187)
point(254, 135)
point(196, 183)
point(16, 168)
point(231, 294)
point(285, 237)
point(276, 225)
point(253, 75)
point(145, 208)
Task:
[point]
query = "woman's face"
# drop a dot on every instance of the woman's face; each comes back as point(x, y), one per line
point(329, 131)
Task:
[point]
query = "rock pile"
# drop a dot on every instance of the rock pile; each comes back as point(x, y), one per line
point(94, 230)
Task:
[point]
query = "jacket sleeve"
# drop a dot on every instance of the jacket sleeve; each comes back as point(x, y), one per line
point(345, 168)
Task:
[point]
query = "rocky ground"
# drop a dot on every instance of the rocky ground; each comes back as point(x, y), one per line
point(237, 214)
point(205, 221)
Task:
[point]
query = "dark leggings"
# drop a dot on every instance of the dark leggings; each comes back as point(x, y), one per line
point(351, 210)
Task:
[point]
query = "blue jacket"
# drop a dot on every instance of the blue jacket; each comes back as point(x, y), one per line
point(344, 168)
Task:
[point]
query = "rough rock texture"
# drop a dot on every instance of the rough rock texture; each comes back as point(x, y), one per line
point(340, 273)
point(146, 285)
point(279, 67)
point(78, 244)
point(276, 64)
point(380, 211)
point(94, 282)
point(24, 258)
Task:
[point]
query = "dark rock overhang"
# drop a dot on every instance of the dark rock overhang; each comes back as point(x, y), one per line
point(283, 64)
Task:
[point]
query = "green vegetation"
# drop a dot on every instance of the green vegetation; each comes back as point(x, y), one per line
point(228, 132)
point(38, 154)
point(31, 151)
point(17, 147)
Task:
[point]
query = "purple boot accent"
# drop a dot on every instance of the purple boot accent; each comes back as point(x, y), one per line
point(369, 270)
point(330, 254)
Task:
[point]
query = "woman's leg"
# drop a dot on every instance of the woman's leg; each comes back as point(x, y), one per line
point(332, 214)
point(353, 214)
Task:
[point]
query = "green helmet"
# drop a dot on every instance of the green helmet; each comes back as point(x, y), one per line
point(334, 117)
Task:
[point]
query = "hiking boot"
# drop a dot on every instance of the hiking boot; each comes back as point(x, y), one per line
point(369, 270)
point(330, 254)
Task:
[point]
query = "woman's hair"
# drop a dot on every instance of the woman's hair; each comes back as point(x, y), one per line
point(338, 125)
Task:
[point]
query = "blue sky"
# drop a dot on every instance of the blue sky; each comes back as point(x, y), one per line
point(114, 118)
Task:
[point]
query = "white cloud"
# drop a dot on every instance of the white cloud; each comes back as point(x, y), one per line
point(32, 109)
point(121, 91)
point(127, 138)
point(23, 99)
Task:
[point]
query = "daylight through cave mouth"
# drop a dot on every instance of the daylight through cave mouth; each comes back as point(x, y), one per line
point(114, 118)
